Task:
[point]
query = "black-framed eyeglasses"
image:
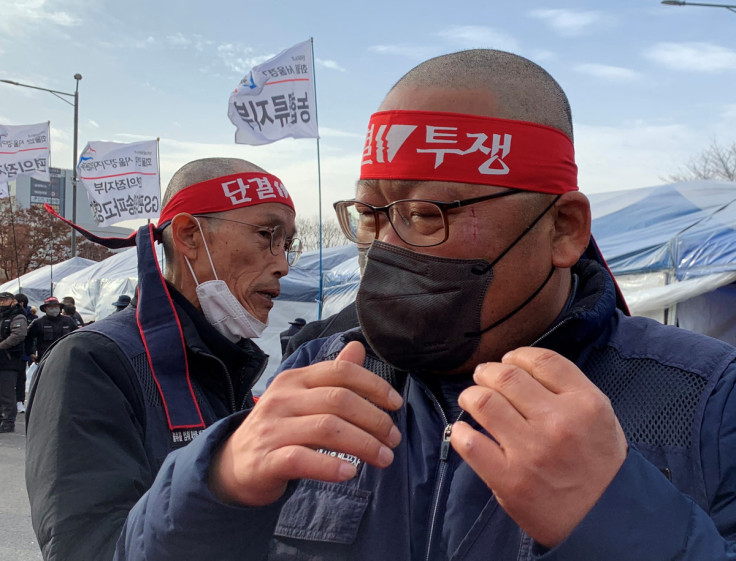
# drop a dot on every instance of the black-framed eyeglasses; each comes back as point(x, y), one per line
point(278, 241)
point(418, 222)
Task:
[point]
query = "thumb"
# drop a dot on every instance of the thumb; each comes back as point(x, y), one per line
point(353, 352)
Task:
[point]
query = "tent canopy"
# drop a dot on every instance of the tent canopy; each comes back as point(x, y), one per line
point(684, 229)
point(37, 284)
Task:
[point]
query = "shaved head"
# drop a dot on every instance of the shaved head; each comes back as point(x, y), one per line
point(204, 170)
point(511, 87)
point(196, 172)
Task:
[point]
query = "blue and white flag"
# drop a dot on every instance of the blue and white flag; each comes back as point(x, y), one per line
point(121, 179)
point(24, 150)
point(276, 99)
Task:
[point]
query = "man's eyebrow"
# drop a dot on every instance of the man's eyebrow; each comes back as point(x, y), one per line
point(400, 184)
point(271, 218)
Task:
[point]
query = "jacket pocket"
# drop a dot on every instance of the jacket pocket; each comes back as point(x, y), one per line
point(323, 512)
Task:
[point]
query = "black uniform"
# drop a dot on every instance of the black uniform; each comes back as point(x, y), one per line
point(45, 330)
point(13, 327)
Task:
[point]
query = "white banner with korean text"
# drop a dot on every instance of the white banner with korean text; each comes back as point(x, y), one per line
point(121, 179)
point(24, 150)
point(276, 99)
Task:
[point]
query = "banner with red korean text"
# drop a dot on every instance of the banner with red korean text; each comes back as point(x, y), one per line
point(276, 99)
point(121, 179)
point(24, 150)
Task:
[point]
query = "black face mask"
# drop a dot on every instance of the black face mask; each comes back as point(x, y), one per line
point(421, 312)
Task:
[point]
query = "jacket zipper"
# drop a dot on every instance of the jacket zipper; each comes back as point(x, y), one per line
point(550, 331)
point(255, 381)
point(444, 454)
point(445, 450)
point(231, 389)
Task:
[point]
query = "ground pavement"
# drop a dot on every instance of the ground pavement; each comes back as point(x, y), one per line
point(17, 540)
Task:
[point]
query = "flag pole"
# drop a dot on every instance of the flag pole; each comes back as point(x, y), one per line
point(319, 180)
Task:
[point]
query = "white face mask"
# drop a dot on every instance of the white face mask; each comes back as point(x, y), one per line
point(222, 309)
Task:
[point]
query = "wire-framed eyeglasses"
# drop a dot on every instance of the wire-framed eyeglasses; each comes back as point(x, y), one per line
point(278, 241)
point(418, 222)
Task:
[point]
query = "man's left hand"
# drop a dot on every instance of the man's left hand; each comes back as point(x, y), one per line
point(556, 445)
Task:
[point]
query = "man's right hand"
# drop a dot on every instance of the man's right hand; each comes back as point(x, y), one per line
point(333, 405)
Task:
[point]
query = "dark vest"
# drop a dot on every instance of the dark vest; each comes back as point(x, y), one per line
point(6, 324)
point(160, 440)
point(51, 330)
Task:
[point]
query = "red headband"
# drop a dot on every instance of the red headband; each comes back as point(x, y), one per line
point(439, 146)
point(226, 193)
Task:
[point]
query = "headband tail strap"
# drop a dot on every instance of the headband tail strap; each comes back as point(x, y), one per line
point(110, 243)
point(163, 338)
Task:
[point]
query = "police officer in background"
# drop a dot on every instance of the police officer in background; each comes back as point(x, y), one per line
point(69, 301)
point(48, 328)
point(13, 327)
point(294, 328)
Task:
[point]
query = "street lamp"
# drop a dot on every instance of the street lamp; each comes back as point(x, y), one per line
point(75, 95)
point(731, 7)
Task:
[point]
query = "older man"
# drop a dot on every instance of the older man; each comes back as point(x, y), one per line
point(112, 400)
point(516, 412)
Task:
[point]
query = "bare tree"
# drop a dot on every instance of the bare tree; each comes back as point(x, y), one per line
point(307, 229)
point(92, 250)
point(715, 162)
point(30, 238)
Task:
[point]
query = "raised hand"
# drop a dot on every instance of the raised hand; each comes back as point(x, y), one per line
point(332, 405)
point(556, 444)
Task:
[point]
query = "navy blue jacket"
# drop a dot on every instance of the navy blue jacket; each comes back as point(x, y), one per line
point(673, 498)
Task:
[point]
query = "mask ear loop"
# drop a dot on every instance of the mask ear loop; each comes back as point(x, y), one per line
point(535, 293)
point(207, 249)
point(520, 236)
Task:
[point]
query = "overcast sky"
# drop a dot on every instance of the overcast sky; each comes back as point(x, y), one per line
point(650, 85)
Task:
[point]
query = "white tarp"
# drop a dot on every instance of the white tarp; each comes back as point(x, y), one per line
point(37, 284)
point(95, 288)
point(121, 179)
point(276, 99)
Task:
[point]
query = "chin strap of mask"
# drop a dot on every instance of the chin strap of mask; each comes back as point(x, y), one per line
point(497, 259)
point(515, 310)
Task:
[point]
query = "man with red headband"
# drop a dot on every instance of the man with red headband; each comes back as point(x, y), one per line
point(496, 402)
point(112, 400)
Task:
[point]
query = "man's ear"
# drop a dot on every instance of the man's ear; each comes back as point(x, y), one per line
point(186, 235)
point(572, 229)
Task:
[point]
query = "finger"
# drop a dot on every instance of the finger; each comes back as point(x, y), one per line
point(493, 411)
point(341, 373)
point(481, 453)
point(528, 395)
point(332, 434)
point(340, 402)
point(299, 462)
point(551, 369)
point(232, 480)
point(353, 352)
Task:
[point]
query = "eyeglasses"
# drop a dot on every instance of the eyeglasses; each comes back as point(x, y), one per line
point(278, 241)
point(418, 222)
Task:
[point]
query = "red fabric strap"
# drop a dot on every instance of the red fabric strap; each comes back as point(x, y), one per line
point(226, 193)
point(438, 146)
